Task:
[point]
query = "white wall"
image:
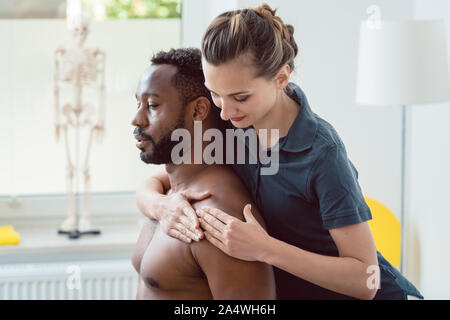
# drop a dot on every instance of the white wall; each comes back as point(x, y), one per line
point(428, 255)
point(196, 16)
point(31, 162)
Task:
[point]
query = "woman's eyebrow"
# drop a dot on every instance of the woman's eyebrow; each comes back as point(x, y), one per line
point(231, 94)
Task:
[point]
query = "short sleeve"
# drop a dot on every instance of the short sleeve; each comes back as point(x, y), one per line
point(334, 185)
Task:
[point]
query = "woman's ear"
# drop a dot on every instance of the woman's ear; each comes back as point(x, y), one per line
point(282, 77)
point(200, 108)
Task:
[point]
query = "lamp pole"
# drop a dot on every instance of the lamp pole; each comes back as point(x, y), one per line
point(403, 189)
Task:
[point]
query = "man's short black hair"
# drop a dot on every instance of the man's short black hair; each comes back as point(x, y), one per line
point(189, 79)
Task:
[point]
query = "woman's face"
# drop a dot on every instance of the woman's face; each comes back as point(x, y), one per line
point(242, 98)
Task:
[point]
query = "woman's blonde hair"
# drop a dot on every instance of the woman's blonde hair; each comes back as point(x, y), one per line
point(257, 32)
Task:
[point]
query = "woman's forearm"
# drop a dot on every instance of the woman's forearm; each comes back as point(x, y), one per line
point(148, 197)
point(174, 212)
point(345, 275)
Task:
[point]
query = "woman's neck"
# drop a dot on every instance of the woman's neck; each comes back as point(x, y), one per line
point(281, 116)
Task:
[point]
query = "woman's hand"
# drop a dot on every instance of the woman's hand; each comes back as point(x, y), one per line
point(177, 217)
point(242, 240)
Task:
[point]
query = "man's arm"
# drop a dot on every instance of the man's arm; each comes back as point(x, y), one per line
point(228, 277)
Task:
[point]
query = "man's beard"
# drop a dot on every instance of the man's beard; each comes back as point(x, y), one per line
point(162, 151)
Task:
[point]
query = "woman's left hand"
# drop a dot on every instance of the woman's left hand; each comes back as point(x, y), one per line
point(242, 240)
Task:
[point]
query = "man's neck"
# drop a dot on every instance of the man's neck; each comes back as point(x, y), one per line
point(182, 175)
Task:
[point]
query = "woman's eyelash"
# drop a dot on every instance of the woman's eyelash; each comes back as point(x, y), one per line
point(238, 100)
point(241, 100)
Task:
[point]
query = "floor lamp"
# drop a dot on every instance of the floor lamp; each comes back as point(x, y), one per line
point(402, 63)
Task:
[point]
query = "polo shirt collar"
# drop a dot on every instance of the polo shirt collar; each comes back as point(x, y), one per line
point(303, 130)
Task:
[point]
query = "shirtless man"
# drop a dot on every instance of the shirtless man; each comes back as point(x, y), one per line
point(171, 95)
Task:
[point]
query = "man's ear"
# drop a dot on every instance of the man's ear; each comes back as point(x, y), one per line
point(200, 108)
point(282, 76)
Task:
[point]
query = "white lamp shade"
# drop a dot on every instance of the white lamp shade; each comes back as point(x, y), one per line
point(402, 63)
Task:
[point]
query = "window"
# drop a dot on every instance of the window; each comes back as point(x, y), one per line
point(127, 9)
point(97, 9)
point(32, 162)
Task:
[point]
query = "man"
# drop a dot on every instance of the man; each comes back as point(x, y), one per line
point(171, 95)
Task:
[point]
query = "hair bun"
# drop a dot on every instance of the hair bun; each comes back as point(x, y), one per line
point(290, 29)
point(255, 31)
point(266, 12)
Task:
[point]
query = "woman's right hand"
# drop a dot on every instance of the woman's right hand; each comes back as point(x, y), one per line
point(177, 217)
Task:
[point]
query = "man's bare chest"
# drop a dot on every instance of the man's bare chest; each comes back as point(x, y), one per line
point(168, 264)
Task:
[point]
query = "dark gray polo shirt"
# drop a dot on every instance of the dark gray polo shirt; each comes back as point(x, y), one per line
point(315, 189)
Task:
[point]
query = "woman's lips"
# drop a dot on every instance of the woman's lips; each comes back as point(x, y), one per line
point(237, 119)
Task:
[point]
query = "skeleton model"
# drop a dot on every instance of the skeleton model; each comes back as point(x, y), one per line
point(79, 68)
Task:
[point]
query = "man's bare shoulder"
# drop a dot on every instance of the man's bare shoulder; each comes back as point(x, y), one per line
point(228, 193)
point(215, 174)
point(228, 277)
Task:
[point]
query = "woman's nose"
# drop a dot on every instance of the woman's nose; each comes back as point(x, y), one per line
point(227, 111)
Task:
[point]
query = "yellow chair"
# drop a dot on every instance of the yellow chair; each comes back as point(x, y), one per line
point(386, 231)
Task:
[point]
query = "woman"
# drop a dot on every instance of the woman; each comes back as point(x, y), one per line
point(318, 239)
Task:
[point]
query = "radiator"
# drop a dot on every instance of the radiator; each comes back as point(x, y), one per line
point(75, 280)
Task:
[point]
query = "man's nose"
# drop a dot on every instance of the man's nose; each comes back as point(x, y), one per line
point(140, 118)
